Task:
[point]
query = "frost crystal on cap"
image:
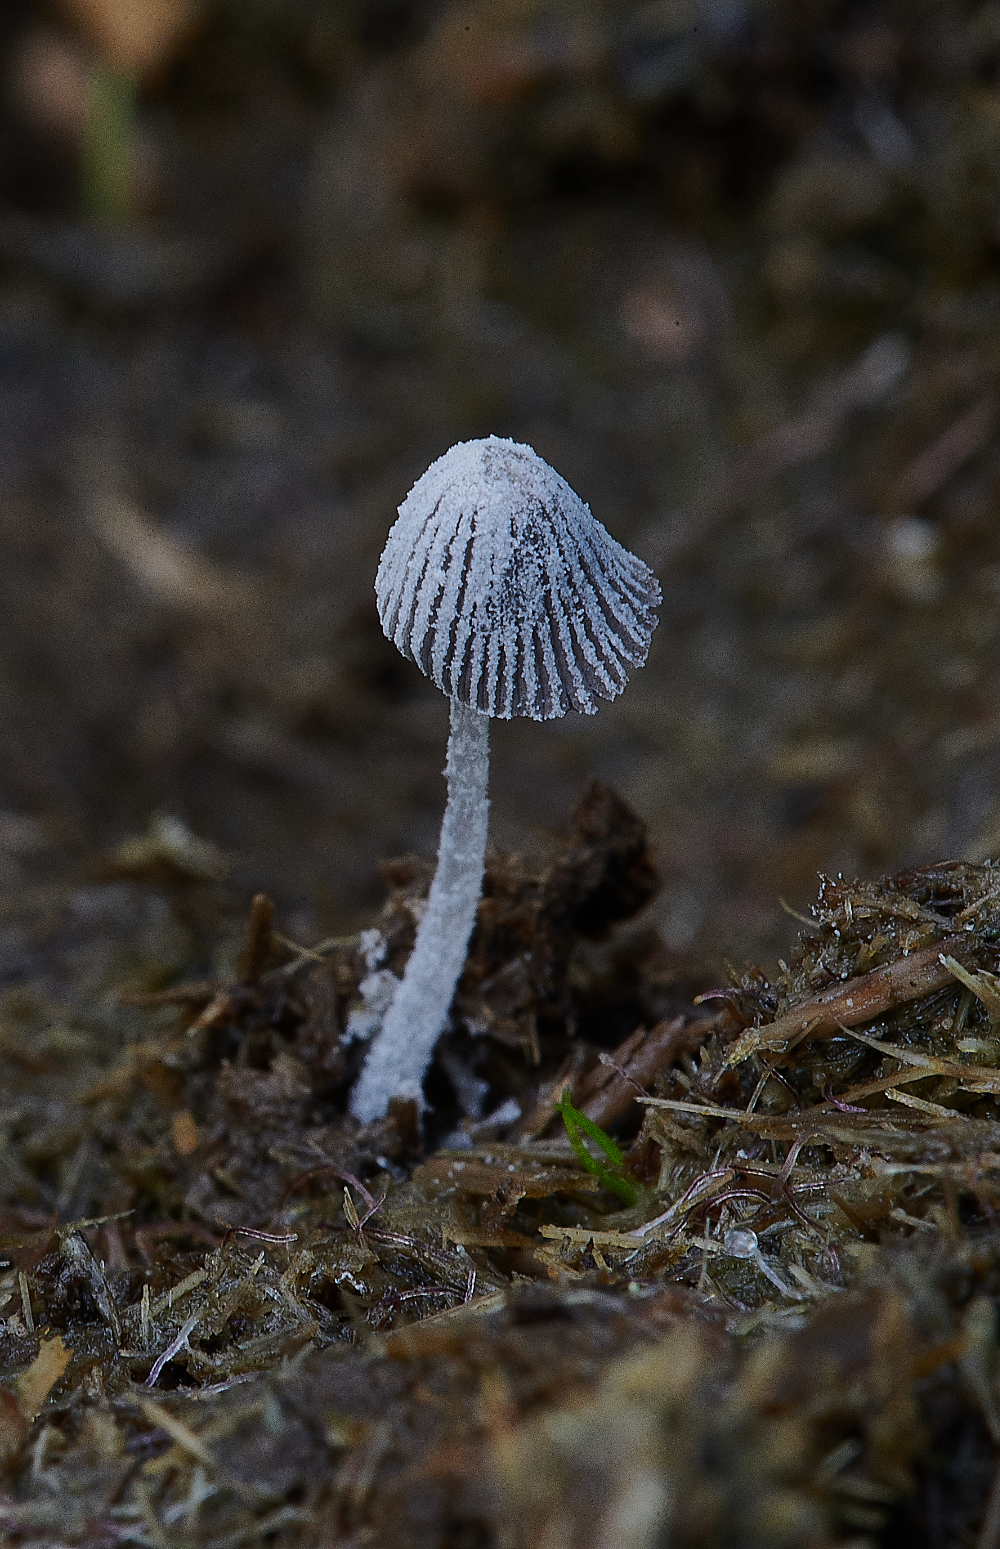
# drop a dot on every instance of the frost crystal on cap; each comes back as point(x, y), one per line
point(501, 586)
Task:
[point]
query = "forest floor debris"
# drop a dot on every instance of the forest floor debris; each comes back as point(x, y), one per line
point(231, 1312)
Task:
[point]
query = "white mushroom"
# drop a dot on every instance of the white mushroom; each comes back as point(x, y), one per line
point(504, 589)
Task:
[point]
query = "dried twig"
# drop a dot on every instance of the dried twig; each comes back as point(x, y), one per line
point(978, 1077)
point(258, 940)
point(606, 1093)
point(174, 1348)
point(855, 1001)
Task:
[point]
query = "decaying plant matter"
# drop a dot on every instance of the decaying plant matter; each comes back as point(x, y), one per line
point(235, 1314)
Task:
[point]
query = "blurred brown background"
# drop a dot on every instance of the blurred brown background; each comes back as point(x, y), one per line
point(732, 266)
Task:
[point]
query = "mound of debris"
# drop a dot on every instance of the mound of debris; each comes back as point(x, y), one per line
point(663, 1259)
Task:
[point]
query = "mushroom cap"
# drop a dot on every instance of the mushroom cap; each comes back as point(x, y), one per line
point(505, 590)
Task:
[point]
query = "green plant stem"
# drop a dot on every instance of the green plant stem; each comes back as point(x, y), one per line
point(108, 150)
point(575, 1122)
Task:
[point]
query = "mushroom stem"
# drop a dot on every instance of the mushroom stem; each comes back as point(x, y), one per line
point(401, 1052)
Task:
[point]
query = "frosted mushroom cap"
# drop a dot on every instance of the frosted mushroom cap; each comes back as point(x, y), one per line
point(505, 590)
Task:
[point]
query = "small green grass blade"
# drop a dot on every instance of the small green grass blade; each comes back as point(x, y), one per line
point(574, 1122)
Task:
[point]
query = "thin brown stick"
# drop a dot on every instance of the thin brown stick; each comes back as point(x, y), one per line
point(606, 1094)
point(856, 1001)
point(258, 940)
point(343, 1176)
point(181, 995)
point(982, 1078)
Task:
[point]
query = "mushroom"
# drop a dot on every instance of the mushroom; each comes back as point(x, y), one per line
point(507, 593)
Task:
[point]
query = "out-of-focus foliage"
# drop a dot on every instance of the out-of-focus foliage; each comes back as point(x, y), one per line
point(731, 267)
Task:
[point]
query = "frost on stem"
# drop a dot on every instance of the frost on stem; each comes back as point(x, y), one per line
point(402, 1051)
point(506, 592)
